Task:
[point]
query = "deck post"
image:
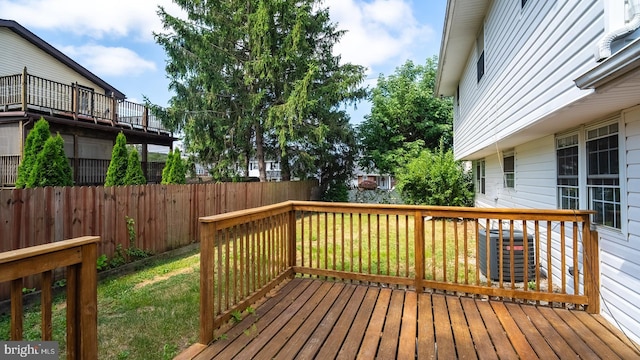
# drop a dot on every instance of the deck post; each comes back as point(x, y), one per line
point(418, 236)
point(207, 248)
point(24, 89)
point(88, 302)
point(292, 237)
point(591, 267)
point(75, 101)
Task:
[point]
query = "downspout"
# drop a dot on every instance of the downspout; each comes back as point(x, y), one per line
point(603, 49)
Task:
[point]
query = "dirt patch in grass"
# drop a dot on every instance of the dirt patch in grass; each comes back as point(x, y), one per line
point(166, 276)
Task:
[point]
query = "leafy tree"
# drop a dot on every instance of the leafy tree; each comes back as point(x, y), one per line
point(435, 178)
point(134, 174)
point(405, 117)
point(119, 160)
point(251, 79)
point(51, 167)
point(33, 145)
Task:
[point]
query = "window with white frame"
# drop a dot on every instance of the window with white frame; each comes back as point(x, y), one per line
point(509, 169)
point(480, 54)
point(603, 179)
point(567, 172)
point(480, 177)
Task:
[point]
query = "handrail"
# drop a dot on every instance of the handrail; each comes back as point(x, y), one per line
point(79, 256)
point(23, 91)
point(449, 249)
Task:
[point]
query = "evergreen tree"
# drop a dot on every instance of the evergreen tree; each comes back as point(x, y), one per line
point(51, 167)
point(178, 170)
point(118, 166)
point(166, 171)
point(134, 175)
point(33, 145)
point(253, 79)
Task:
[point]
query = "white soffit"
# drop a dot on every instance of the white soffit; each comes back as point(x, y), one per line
point(463, 21)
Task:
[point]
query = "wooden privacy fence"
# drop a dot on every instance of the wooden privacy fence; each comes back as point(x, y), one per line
point(522, 255)
point(165, 216)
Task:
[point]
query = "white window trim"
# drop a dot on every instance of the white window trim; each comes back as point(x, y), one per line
point(504, 174)
point(613, 233)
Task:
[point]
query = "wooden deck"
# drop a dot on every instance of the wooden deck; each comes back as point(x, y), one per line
point(308, 319)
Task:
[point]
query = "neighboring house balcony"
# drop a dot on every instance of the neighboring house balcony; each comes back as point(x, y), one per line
point(87, 120)
point(26, 93)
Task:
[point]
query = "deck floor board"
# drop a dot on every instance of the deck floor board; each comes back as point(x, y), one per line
point(314, 319)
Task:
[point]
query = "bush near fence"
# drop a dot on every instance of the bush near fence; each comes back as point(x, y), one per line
point(165, 216)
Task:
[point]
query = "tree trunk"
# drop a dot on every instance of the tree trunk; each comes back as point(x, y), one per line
point(260, 152)
point(285, 169)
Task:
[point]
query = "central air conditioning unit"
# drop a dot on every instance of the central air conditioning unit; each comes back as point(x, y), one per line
point(519, 256)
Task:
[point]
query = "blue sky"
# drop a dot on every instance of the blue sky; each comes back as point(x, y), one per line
point(114, 40)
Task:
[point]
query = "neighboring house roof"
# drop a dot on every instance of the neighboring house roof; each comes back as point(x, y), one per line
point(463, 22)
point(58, 55)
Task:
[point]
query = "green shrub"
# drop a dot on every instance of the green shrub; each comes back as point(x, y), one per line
point(51, 167)
point(435, 179)
point(118, 166)
point(134, 175)
point(175, 169)
point(33, 145)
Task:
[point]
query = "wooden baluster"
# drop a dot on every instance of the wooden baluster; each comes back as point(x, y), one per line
point(45, 306)
point(17, 310)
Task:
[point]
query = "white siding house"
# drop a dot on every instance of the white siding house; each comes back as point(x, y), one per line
point(546, 98)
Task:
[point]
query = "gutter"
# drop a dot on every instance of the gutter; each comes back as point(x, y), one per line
point(614, 67)
point(603, 49)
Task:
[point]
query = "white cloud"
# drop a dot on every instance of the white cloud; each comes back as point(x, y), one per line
point(97, 19)
point(377, 31)
point(109, 61)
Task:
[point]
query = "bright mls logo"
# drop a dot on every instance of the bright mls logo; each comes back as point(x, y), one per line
point(42, 350)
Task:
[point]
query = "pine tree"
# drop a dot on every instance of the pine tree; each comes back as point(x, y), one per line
point(33, 145)
point(118, 165)
point(51, 167)
point(134, 175)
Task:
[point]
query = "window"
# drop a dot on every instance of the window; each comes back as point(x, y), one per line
point(480, 177)
point(567, 170)
point(603, 181)
point(508, 162)
point(480, 53)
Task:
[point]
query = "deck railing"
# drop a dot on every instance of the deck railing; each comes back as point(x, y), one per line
point(79, 257)
point(549, 257)
point(25, 91)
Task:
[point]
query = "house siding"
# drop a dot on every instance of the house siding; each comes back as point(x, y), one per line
point(545, 31)
point(10, 139)
point(18, 53)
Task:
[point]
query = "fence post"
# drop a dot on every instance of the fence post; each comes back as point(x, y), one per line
point(591, 266)
point(207, 248)
point(418, 236)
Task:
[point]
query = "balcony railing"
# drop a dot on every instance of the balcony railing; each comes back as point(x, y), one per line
point(245, 254)
point(89, 171)
point(25, 91)
point(79, 257)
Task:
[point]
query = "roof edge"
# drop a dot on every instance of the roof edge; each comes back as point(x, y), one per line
point(46, 47)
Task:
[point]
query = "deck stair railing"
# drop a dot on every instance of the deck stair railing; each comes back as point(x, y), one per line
point(25, 91)
point(78, 256)
point(546, 257)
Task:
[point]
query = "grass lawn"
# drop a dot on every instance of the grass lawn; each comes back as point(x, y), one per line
point(150, 314)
